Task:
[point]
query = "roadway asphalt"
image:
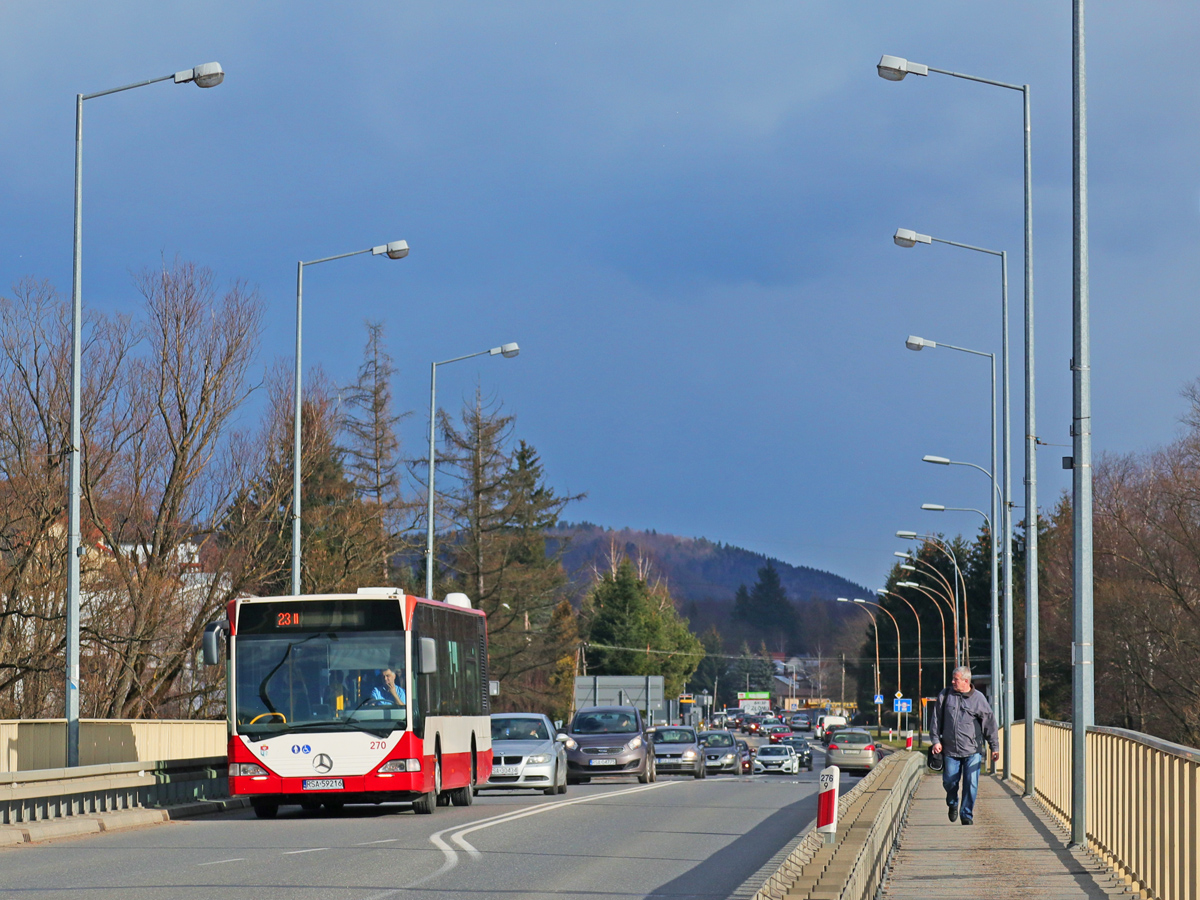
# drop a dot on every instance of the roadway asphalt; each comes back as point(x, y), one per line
point(677, 838)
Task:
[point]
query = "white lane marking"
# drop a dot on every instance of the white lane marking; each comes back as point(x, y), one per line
point(458, 836)
point(451, 855)
point(384, 841)
point(309, 850)
point(217, 862)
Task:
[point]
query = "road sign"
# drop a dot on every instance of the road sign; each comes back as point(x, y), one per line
point(686, 698)
point(902, 705)
point(754, 695)
point(899, 695)
point(827, 803)
point(879, 699)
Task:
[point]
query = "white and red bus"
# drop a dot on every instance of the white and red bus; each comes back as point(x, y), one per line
point(355, 698)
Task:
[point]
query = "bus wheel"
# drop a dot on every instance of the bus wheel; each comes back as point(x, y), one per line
point(427, 802)
point(461, 796)
point(265, 809)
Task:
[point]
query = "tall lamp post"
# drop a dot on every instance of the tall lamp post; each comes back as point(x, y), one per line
point(878, 686)
point(393, 250)
point(508, 351)
point(948, 598)
point(917, 343)
point(964, 655)
point(941, 616)
point(905, 237)
point(205, 76)
point(897, 624)
point(894, 68)
point(920, 657)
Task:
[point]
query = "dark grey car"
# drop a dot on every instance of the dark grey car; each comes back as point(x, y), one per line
point(721, 752)
point(608, 740)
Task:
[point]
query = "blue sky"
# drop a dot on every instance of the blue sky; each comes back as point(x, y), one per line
point(682, 211)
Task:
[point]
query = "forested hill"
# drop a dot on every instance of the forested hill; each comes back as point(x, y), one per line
point(694, 569)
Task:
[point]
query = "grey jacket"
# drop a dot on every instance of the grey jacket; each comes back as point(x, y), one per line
point(959, 721)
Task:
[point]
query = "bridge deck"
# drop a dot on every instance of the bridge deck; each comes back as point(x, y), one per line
point(1013, 850)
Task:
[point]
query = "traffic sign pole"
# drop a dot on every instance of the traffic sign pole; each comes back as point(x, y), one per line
point(827, 803)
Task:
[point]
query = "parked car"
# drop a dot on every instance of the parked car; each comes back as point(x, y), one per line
point(608, 740)
point(775, 733)
point(779, 758)
point(852, 750)
point(826, 724)
point(745, 756)
point(803, 749)
point(801, 722)
point(527, 754)
point(720, 751)
point(677, 749)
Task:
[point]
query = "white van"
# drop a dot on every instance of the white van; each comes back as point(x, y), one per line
point(826, 724)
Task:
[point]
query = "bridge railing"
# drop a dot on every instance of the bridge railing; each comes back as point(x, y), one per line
point(1143, 801)
point(37, 744)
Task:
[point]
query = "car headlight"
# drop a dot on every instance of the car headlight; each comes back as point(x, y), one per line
point(571, 745)
point(728, 757)
point(689, 754)
point(245, 769)
point(634, 744)
point(538, 759)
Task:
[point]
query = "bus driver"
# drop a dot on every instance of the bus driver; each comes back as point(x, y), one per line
point(387, 693)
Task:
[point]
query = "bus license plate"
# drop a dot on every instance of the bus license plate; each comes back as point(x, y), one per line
point(602, 762)
point(506, 771)
point(322, 784)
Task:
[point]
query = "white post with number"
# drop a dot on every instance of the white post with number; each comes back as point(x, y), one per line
point(827, 803)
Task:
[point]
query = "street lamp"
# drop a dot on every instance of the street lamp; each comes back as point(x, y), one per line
point(508, 351)
point(948, 598)
point(916, 343)
point(878, 683)
point(963, 653)
point(897, 624)
point(920, 657)
point(894, 68)
point(1004, 518)
point(936, 605)
point(1006, 666)
point(205, 76)
point(392, 250)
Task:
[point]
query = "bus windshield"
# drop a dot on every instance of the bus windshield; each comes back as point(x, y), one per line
point(323, 681)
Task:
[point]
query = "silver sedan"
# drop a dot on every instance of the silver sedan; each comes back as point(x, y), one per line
point(526, 754)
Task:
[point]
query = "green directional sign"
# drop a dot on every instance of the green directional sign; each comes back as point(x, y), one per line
point(754, 695)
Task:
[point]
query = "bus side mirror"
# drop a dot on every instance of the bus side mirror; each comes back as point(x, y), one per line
point(428, 654)
point(210, 644)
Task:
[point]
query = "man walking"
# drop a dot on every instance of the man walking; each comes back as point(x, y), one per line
point(961, 720)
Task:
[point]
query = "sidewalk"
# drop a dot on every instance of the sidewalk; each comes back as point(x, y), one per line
point(1014, 850)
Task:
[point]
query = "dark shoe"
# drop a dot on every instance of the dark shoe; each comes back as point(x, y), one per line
point(967, 820)
point(953, 811)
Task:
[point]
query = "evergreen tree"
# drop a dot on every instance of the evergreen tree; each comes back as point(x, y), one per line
point(767, 609)
point(625, 615)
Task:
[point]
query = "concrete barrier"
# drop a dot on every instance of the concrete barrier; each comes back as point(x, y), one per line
point(49, 794)
point(35, 744)
point(869, 819)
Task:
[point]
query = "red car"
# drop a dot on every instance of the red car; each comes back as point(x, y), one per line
point(776, 733)
point(746, 757)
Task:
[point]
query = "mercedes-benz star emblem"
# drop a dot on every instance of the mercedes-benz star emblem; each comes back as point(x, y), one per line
point(322, 763)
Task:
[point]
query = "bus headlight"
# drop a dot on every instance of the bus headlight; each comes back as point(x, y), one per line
point(245, 770)
point(400, 765)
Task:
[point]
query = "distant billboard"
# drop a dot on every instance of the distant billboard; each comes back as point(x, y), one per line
point(642, 691)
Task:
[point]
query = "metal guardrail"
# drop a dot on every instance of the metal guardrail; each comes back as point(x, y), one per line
point(869, 819)
point(1143, 802)
point(56, 793)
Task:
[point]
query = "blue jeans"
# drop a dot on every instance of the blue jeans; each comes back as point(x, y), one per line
point(965, 768)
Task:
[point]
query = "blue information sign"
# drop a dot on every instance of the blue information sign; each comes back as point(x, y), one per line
point(902, 704)
point(879, 699)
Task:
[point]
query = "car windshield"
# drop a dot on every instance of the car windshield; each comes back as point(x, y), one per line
point(851, 737)
point(516, 728)
point(674, 736)
point(597, 722)
point(774, 750)
point(340, 681)
point(798, 743)
point(720, 739)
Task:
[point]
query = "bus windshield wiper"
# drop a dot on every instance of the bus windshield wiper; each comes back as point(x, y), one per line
point(380, 731)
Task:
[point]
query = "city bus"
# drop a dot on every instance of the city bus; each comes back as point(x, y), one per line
point(372, 697)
